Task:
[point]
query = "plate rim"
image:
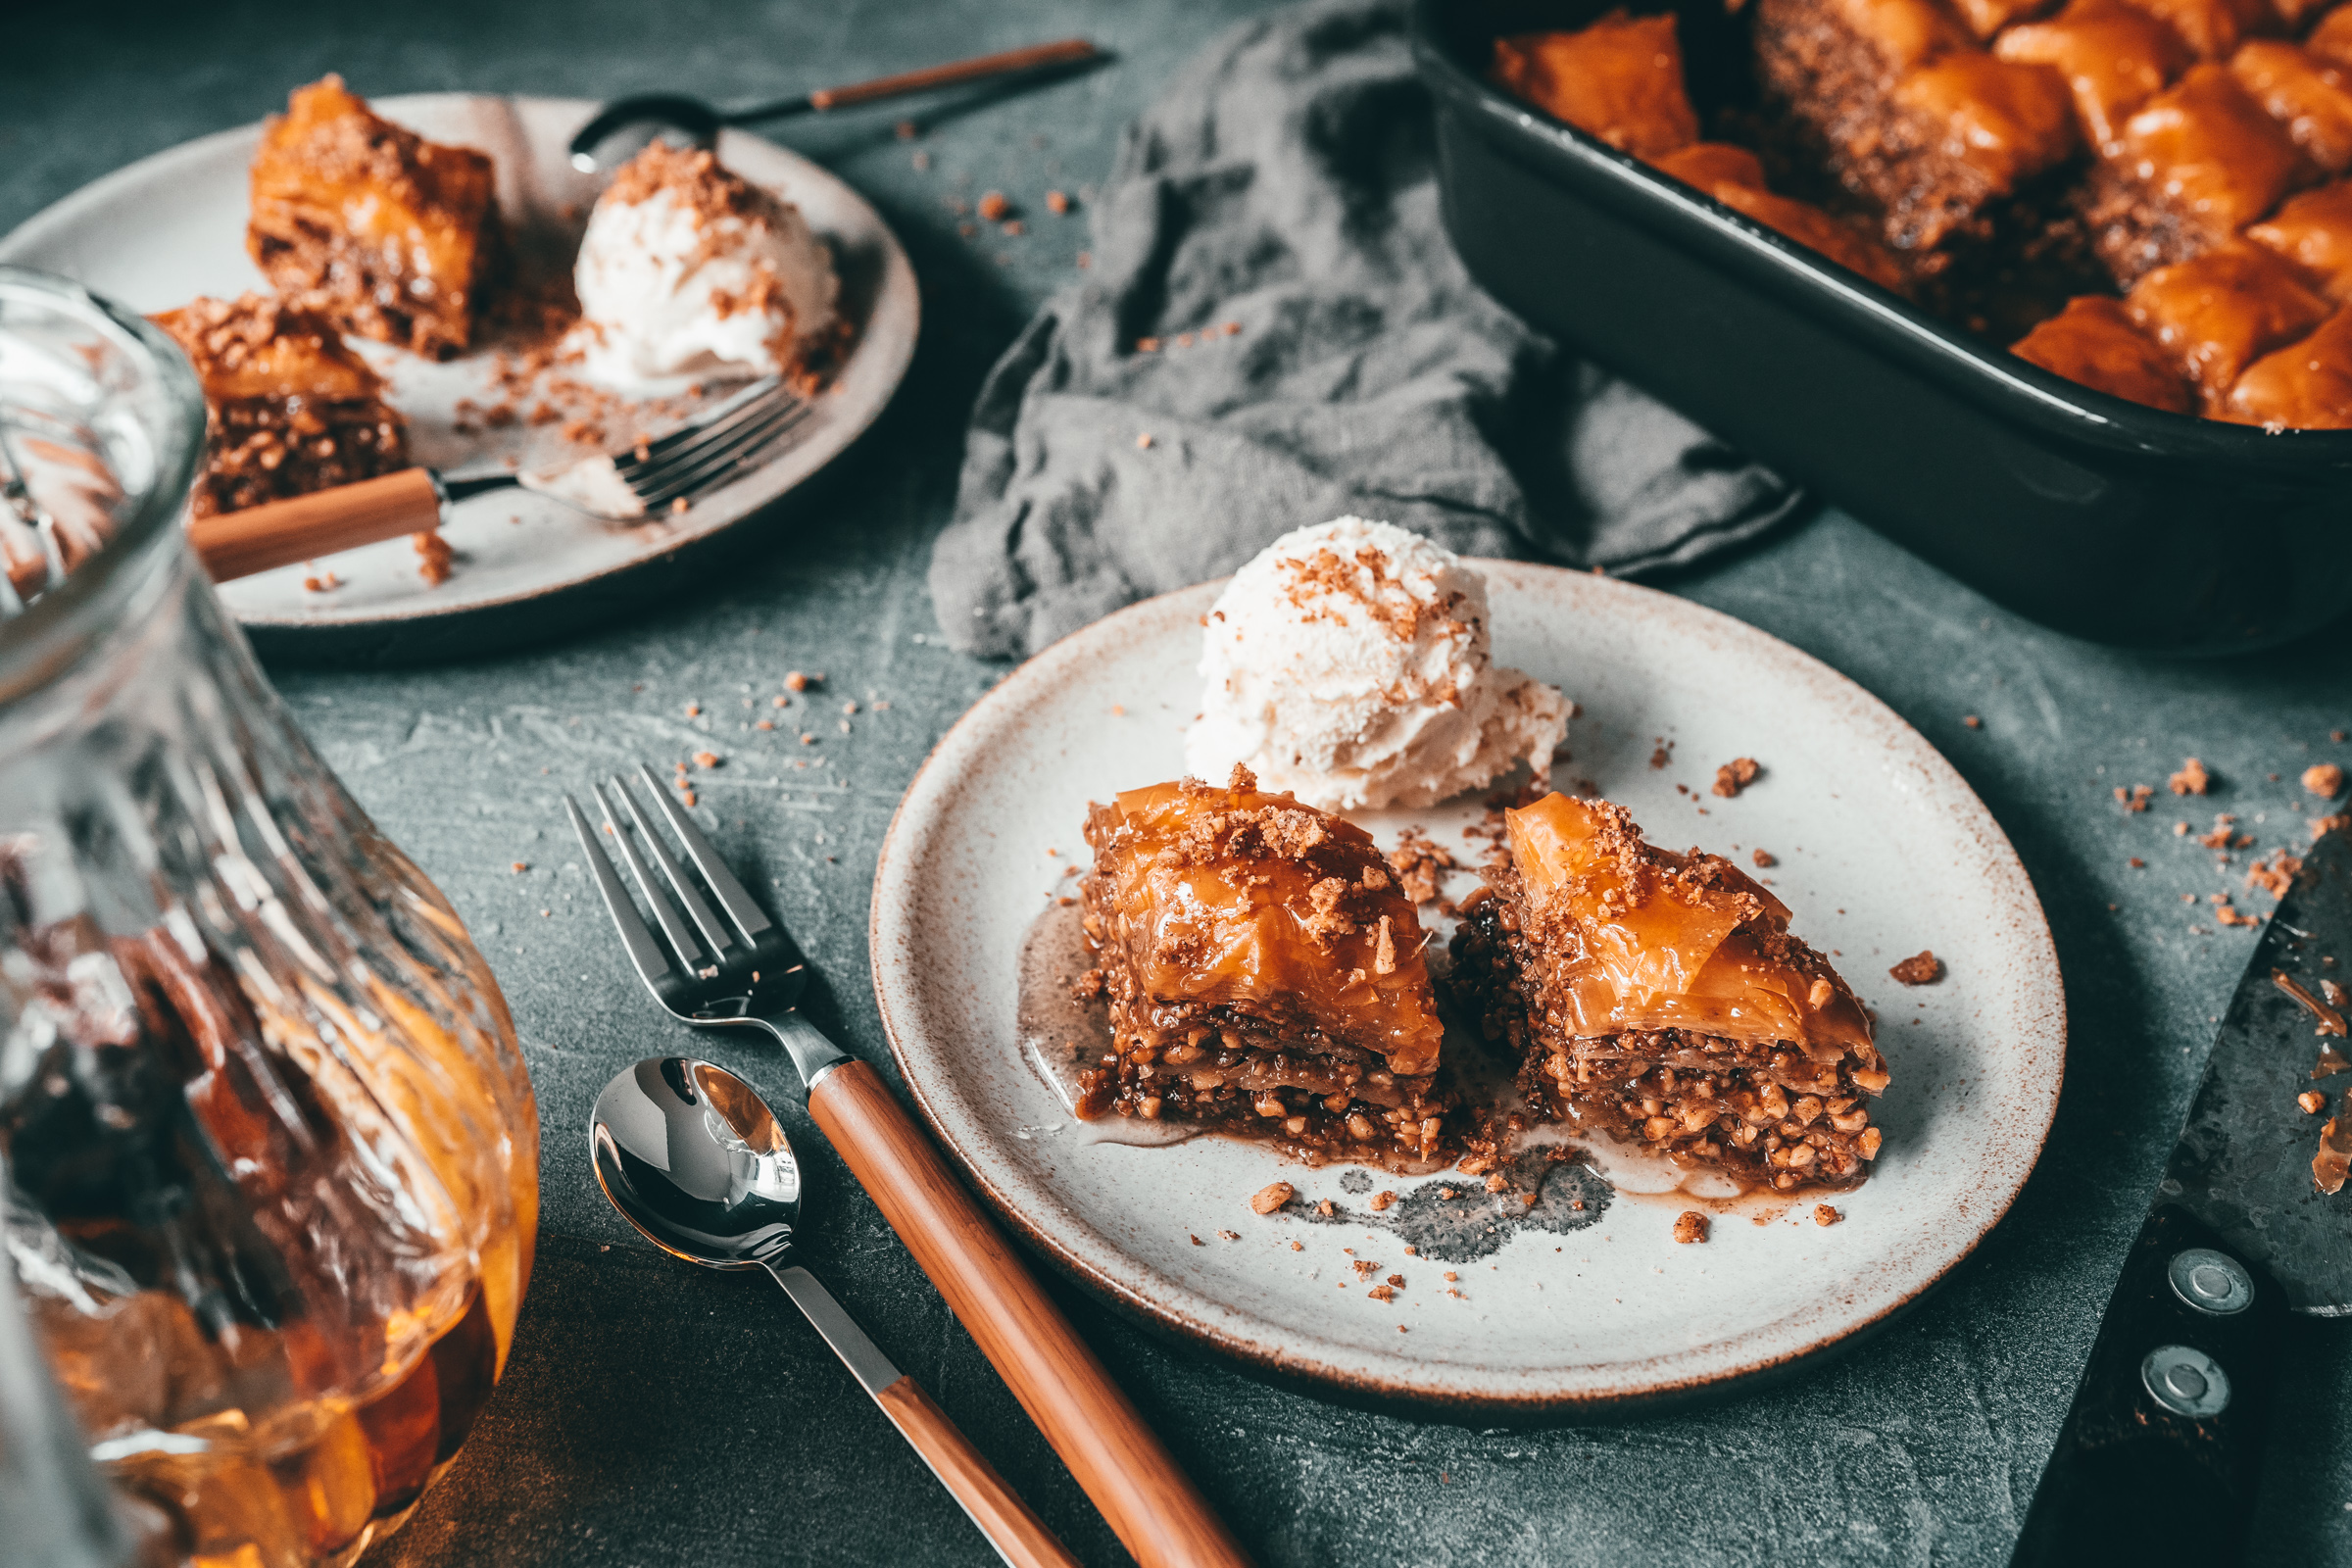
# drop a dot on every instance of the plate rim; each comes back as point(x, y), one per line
point(898, 288)
point(891, 914)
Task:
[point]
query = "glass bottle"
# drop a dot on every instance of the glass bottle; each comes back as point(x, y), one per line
point(270, 1148)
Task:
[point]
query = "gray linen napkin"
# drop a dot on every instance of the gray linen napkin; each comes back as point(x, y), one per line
point(1275, 331)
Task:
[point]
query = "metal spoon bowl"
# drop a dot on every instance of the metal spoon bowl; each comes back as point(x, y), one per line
point(695, 1159)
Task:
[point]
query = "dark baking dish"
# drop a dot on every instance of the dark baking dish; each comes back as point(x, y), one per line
point(2093, 516)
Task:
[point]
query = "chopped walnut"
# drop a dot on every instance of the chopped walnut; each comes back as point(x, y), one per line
point(2311, 1102)
point(1823, 1214)
point(1381, 1292)
point(2136, 799)
point(1381, 1201)
point(1690, 1226)
point(2192, 779)
point(1922, 968)
point(994, 205)
point(1764, 860)
point(1736, 775)
point(1273, 1196)
point(2324, 779)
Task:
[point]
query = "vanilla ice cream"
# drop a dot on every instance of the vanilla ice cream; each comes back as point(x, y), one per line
point(1350, 664)
point(687, 269)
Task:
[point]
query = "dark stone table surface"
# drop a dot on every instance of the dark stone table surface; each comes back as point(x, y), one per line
point(657, 1414)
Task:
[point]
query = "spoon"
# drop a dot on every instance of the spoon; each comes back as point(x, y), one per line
point(694, 1159)
point(622, 127)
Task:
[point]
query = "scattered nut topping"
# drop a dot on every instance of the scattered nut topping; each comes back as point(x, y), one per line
point(1324, 1208)
point(1363, 1267)
point(2192, 779)
point(1764, 860)
point(1297, 1247)
point(706, 759)
point(1194, 1240)
point(1972, 721)
point(2311, 1102)
point(1690, 1226)
point(1922, 968)
point(522, 867)
point(1396, 1280)
point(2136, 799)
point(1231, 1236)
point(1736, 775)
point(1056, 203)
point(1497, 1183)
point(1381, 1201)
point(1381, 1292)
point(994, 205)
point(796, 681)
point(2324, 779)
point(1273, 1196)
point(1823, 1214)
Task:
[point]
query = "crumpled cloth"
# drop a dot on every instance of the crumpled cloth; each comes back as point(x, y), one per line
point(1275, 331)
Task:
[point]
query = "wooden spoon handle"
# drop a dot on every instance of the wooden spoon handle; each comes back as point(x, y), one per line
point(1149, 1502)
point(1068, 50)
point(238, 543)
point(1019, 1536)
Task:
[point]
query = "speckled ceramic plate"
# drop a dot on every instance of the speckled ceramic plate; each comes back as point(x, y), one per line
point(1879, 847)
point(171, 226)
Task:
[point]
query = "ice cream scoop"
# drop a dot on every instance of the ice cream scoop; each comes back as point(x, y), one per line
point(1350, 664)
point(689, 269)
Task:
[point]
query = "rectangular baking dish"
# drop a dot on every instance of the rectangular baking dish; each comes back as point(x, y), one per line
point(2093, 516)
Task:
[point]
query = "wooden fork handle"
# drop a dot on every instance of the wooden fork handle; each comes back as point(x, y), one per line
point(1019, 1536)
point(1149, 1502)
point(279, 533)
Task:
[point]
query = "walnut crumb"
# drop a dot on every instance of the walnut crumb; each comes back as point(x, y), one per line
point(1690, 1226)
point(1381, 1292)
point(1057, 203)
point(1194, 1240)
point(2311, 1102)
point(2192, 779)
point(522, 867)
point(1297, 1247)
point(1922, 968)
point(1972, 721)
point(1381, 1201)
point(1823, 1214)
point(1736, 775)
point(1324, 1208)
point(706, 759)
point(994, 205)
point(2136, 799)
point(1763, 858)
point(1497, 1183)
point(2324, 779)
point(1231, 1236)
point(1273, 1196)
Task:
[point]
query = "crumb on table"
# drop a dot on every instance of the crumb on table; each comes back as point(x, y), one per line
point(1273, 1196)
point(1823, 1214)
point(2324, 779)
point(2192, 779)
point(1690, 1226)
point(1736, 775)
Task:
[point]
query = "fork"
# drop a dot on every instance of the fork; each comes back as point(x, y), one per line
point(747, 972)
point(708, 449)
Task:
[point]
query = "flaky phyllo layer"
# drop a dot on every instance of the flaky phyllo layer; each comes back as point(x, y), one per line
point(1263, 971)
point(1659, 998)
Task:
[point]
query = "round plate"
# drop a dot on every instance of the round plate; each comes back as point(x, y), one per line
point(1879, 847)
point(168, 227)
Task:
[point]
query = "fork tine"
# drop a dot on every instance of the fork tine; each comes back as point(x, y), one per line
point(748, 917)
point(720, 413)
point(704, 465)
point(665, 913)
point(713, 933)
point(644, 951)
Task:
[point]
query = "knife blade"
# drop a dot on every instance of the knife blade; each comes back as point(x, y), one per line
point(2160, 1450)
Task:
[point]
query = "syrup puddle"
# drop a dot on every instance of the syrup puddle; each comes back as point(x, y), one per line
point(1574, 1180)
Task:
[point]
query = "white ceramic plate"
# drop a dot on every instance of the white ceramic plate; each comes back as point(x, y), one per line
point(1881, 848)
point(171, 226)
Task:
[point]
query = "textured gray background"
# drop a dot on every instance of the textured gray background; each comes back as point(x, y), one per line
point(653, 1414)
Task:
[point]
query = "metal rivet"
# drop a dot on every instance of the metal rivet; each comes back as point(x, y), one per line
point(2210, 1282)
point(2187, 1382)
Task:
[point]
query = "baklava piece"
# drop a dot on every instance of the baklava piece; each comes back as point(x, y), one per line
point(2214, 29)
point(2113, 59)
point(1659, 999)
point(2305, 94)
point(2217, 314)
point(1910, 113)
point(2314, 231)
point(386, 234)
point(1735, 177)
point(1620, 79)
point(2095, 342)
point(289, 408)
point(1264, 976)
point(2306, 386)
point(2331, 39)
point(2193, 166)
